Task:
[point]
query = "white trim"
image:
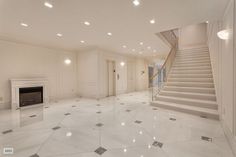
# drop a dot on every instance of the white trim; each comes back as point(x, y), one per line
point(16, 84)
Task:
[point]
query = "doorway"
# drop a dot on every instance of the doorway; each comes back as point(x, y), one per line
point(111, 70)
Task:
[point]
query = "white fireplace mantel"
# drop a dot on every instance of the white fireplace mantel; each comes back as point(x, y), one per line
point(16, 84)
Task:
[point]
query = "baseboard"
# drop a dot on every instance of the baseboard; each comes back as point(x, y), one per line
point(230, 137)
point(4, 106)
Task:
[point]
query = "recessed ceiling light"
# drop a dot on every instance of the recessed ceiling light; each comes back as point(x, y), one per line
point(124, 46)
point(125, 150)
point(47, 4)
point(59, 34)
point(207, 21)
point(68, 134)
point(133, 50)
point(140, 52)
point(24, 24)
point(109, 33)
point(149, 47)
point(82, 41)
point(136, 2)
point(154, 51)
point(152, 21)
point(141, 43)
point(87, 23)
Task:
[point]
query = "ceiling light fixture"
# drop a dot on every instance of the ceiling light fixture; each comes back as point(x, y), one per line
point(87, 23)
point(152, 21)
point(154, 51)
point(68, 134)
point(124, 46)
point(224, 34)
point(149, 47)
point(59, 34)
point(82, 41)
point(141, 43)
point(140, 52)
point(24, 24)
point(136, 2)
point(133, 50)
point(109, 33)
point(47, 4)
point(207, 21)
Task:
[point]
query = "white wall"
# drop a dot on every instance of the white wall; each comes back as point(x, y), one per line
point(223, 63)
point(192, 36)
point(92, 73)
point(24, 61)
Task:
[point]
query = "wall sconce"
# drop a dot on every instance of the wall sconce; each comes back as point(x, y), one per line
point(67, 61)
point(224, 34)
point(122, 64)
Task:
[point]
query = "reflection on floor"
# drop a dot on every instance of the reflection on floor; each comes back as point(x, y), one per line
point(113, 127)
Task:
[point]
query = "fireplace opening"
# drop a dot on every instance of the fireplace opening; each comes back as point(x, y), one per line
point(31, 96)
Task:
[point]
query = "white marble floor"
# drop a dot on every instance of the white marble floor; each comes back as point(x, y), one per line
point(120, 126)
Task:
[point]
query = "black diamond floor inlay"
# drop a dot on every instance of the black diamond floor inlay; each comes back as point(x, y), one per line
point(203, 116)
point(173, 119)
point(99, 125)
point(67, 114)
point(73, 106)
point(7, 131)
point(99, 112)
point(128, 110)
point(154, 109)
point(34, 155)
point(122, 103)
point(157, 144)
point(56, 128)
point(32, 116)
point(144, 102)
point(98, 105)
point(206, 138)
point(138, 121)
point(46, 107)
point(100, 150)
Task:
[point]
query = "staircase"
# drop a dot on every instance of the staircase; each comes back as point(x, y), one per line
point(189, 87)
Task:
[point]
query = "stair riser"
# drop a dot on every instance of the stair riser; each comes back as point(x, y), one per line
point(190, 103)
point(192, 68)
point(191, 96)
point(192, 60)
point(177, 72)
point(180, 54)
point(208, 115)
point(193, 90)
point(192, 64)
point(192, 57)
point(210, 80)
point(179, 84)
point(190, 76)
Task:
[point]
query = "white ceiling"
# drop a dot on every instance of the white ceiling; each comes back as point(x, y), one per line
point(128, 24)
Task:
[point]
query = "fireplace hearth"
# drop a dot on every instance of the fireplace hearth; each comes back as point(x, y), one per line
point(30, 96)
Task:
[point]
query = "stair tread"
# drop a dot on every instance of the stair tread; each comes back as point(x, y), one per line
point(190, 99)
point(188, 93)
point(191, 87)
point(187, 107)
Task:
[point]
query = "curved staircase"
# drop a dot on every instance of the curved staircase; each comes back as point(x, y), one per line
point(190, 87)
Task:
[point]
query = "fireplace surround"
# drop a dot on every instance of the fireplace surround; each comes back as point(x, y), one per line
point(28, 92)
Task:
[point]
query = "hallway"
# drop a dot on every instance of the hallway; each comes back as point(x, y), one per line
point(124, 126)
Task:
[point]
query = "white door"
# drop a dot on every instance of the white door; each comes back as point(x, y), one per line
point(111, 77)
point(131, 76)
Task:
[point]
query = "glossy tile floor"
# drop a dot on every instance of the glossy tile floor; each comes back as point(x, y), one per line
point(113, 127)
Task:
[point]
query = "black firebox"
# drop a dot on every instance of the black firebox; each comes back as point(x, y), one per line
point(31, 96)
